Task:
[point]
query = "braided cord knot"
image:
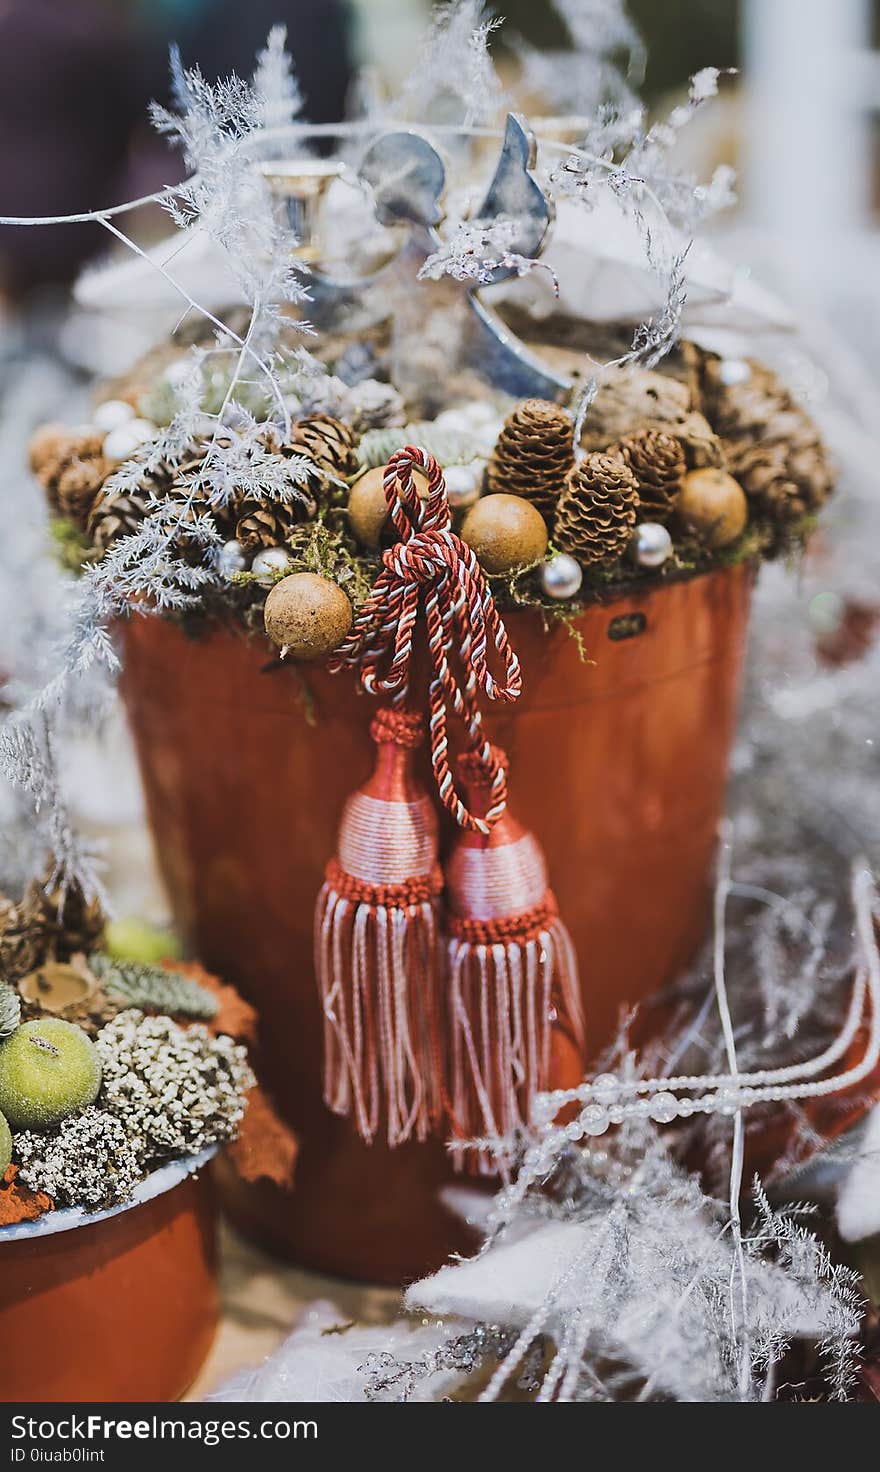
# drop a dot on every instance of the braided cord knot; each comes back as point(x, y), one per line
point(431, 568)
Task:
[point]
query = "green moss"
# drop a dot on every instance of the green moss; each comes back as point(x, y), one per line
point(71, 549)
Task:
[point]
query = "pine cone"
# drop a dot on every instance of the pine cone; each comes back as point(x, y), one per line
point(58, 454)
point(772, 445)
point(114, 515)
point(328, 442)
point(597, 509)
point(533, 454)
point(23, 944)
point(263, 523)
point(67, 922)
point(658, 463)
point(632, 399)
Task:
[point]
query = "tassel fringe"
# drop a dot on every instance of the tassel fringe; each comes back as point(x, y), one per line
point(377, 962)
point(513, 987)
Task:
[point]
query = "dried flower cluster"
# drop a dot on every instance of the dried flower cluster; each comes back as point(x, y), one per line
point(177, 1089)
point(91, 1160)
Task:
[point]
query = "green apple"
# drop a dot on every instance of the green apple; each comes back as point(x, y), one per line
point(48, 1069)
point(5, 1146)
point(133, 940)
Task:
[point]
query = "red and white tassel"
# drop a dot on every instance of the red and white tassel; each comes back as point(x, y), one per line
point(513, 977)
point(376, 947)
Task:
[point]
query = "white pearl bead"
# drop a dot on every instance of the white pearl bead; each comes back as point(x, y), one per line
point(605, 1086)
point(111, 414)
point(733, 371)
point(561, 576)
point(124, 441)
point(231, 559)
point(653, 544)
point(269, 563)
point(594, 1120)
point(664, 1107)
point(464, 483)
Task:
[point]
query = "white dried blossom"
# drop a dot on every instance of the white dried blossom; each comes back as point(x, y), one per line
point(478, 249)
point(92, 1159)
point(178, 1089)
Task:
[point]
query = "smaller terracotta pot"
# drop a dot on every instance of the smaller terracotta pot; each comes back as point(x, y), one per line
point(120, 1308)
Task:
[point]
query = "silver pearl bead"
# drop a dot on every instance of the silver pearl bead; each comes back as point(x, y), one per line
point(231, 559)
point(653, 544)
point(111, 414)
point(269, 563)
point(594, 1120)
point(126, 439)
point(664, 1107)
point(464, 484)
point(734, 371)
point(561, 576)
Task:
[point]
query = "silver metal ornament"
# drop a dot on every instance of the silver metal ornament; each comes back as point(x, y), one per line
point(464, 484)
point(231, 559)
point(561, 576)
point(652, 544)
point(269, 563)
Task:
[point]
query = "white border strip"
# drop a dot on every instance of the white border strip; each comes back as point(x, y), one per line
point(155, 1184)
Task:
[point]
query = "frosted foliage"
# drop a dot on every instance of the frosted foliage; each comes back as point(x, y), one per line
point(606, 56)
point(476, 250)
point(453, 79)
point(275, 83)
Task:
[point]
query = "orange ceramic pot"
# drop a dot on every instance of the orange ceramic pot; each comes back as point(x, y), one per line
point(122, 1308)
point(618, 764)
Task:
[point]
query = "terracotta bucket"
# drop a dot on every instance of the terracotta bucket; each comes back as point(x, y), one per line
point(123, 1308)
point(618, 764)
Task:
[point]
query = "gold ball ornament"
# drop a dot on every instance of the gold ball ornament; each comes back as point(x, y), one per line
point(714, 505)
point(307, 616)
point(506, 532)
point(368, 513)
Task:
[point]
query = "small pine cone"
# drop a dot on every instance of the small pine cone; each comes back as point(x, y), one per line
point(68, 922)
point(658, 463)
point(23, 941)
point(263, 523)
point(533, 455)
point(114, 515)
point(597, 509)
point(328, 442)
point(79, 484)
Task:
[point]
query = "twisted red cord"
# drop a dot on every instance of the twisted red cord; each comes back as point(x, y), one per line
point(431, 566)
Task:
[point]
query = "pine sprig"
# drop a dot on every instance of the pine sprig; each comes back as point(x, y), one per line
point(10, 1009)
point(151, 989)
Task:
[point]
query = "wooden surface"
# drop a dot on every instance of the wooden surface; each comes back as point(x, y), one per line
point(261, 1299)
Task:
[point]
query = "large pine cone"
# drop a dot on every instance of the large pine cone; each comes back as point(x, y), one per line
point(772, 445)
point(597, 510)
point(533, 455)
point(658, 463)
point(114, 515)
point(70, 467)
